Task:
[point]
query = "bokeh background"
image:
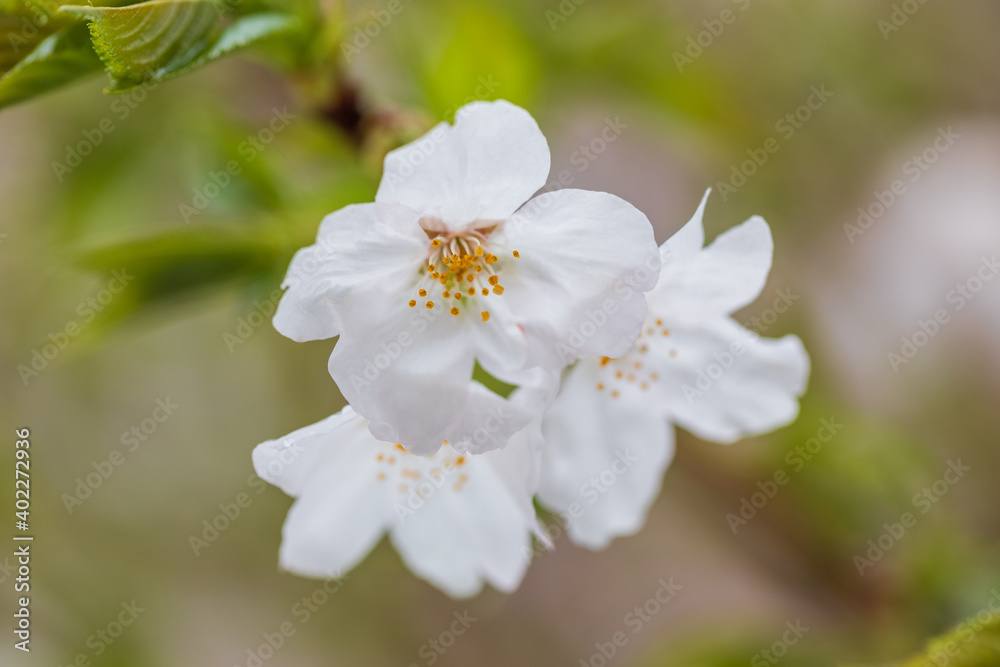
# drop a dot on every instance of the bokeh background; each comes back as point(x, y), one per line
point(169, 335)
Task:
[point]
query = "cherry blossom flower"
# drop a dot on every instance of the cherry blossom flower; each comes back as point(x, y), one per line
point(457, 520)
point(450, 267)
point(609, 434)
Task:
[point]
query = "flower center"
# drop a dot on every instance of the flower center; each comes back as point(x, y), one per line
point(417, 477)
point(460, 268)
point(630, 369)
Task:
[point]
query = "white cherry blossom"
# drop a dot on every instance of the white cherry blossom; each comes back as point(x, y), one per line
point(609, 433)
point(450, 266)
point(457, 520)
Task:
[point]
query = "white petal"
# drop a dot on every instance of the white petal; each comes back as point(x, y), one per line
point(722, 382)
point(342, 509)
point(411, 377)
point(289, 463)
point(603, 459)
point(725, 276)
point(585, 260)
point(473, 530)
point(686, 242)
point(482, 168)
point(361, 247)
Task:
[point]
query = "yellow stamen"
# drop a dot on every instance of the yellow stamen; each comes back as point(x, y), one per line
point(498, 289)
point(486, 315)
point(454, 311)
point(413, 302)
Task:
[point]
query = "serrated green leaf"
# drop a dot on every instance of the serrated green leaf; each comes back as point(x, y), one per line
point(162, 39)
point(61, 58)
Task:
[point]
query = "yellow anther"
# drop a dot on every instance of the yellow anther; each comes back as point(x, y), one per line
point(605, 361)
point(472, 291)
point(429, 305)
point(479, 267)
point(485, 292)
point(422, 292)
point(446, 294)
point(517, 254)
point(454, 311)
point(494, 280)
point(600, 386)
point(413, 302)
point(486, 315)
point(381, 477)
point(400, 447)
point(654, 377)
point(479, 251)
point(498, 289)
point(460, 460)
point(435, 243)
point(614, 394)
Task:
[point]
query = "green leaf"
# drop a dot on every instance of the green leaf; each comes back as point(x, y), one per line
point(974, 643)
point(23, 27)
point(61, 58)
point(180, 264)
point(162, 39)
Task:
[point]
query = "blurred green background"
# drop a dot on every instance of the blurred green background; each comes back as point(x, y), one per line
point(191, 329)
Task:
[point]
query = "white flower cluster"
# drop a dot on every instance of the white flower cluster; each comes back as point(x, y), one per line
point(453, 266)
